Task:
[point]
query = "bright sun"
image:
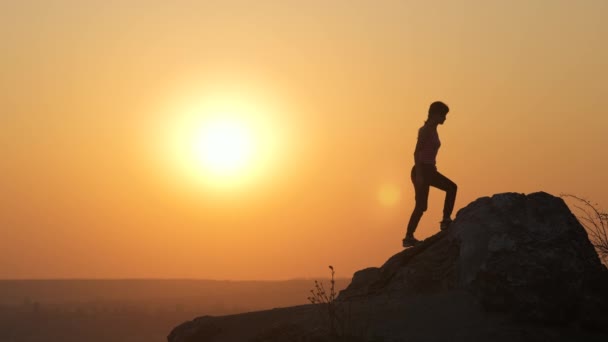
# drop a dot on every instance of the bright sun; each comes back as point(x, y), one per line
point(223, 146)
point(222, 141)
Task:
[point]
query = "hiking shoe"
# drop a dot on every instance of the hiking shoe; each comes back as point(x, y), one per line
point(445, 224)
point(410, 241)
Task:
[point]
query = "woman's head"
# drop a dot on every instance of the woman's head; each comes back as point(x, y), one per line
point(437, 112)
point(438, 108)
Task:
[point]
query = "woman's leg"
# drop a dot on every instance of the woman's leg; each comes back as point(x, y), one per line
point(442, 182)
point(422, 197)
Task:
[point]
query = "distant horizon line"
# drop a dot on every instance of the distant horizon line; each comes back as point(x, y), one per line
point(167, 279)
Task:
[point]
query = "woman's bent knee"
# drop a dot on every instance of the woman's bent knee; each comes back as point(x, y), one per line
point(420, 208)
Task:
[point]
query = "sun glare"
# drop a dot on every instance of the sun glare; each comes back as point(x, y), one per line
point(223, 146)
point(389, 195)
point(221, 141)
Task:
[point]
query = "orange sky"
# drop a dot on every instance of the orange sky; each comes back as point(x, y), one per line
point(91, 91)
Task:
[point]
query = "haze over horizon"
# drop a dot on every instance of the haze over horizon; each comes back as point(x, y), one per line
point(108, 109)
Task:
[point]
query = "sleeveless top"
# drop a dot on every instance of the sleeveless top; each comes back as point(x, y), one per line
point(427, 146)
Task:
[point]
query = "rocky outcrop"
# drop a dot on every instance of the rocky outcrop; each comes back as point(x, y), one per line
point(510, 262)
point(525, 255)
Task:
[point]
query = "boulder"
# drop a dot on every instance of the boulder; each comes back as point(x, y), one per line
point(511, 267)
point(523, 254)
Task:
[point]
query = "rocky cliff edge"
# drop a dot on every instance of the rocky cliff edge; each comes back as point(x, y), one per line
point(511, 267)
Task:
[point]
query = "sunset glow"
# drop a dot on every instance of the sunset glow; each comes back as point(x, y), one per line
point(389, 195)
point(220, 148)
point(269, 139)
point(223, 147)
point(220, 141)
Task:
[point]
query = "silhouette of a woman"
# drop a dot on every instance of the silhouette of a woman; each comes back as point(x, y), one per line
point(424, 173)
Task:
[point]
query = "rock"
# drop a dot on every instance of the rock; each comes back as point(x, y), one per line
point(534, 259)
point(509, 265)
point(525, 255)
point(200, 329)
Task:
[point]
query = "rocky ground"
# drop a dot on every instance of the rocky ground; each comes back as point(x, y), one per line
point(512, 267)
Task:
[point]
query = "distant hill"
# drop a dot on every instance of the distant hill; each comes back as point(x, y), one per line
point(140, 310)
point(205, 296)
